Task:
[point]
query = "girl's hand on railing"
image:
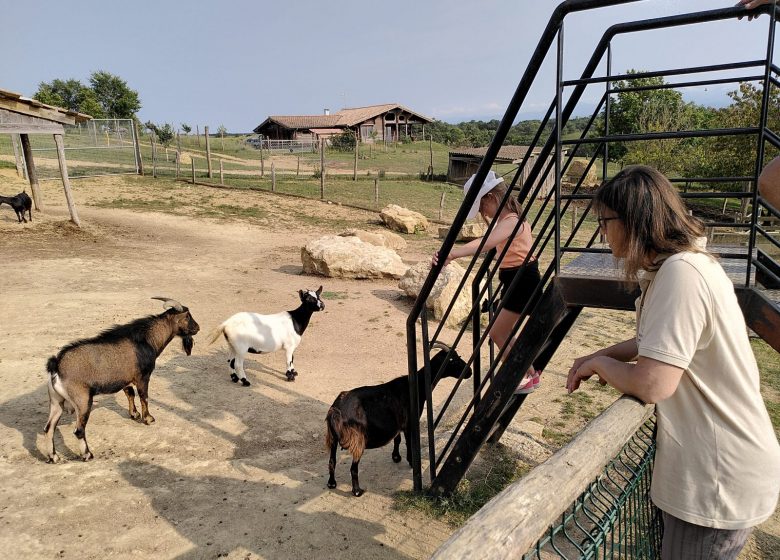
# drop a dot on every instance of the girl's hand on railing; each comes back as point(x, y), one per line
point(435, 259)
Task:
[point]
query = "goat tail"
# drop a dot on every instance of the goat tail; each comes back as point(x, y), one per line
point(348, 437)
point(215, 334)
point(53, 366)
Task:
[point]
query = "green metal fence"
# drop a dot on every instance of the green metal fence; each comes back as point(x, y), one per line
point(613, 517)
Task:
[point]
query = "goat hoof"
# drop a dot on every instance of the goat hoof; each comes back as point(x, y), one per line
point(148, 419)
point(234, 378)
point(88, 456)
point(245, 382)
point(331, 484)
point(295, 373)
point(396, 458)
point(357, 492)
point(290, 376)
point(134, 415)
point(54, 458)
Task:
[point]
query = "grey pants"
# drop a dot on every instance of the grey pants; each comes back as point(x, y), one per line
point(686, 541)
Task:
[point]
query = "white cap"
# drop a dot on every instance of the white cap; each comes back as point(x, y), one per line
point(490, 182)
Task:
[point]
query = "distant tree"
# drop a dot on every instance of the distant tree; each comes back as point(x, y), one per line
point(344, 142)
point(164, 133)
point(222, 130)
point(71, 95)
point(643, 111)
point(186, 128)
point(113, 95)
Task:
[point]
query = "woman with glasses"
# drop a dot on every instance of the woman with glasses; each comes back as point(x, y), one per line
point(717, 464)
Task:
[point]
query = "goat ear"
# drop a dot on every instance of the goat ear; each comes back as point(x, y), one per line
point(319, 291)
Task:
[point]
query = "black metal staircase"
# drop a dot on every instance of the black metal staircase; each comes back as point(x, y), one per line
point(560, 296)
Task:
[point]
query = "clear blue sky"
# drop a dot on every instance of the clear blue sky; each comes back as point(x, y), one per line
point(236, 62)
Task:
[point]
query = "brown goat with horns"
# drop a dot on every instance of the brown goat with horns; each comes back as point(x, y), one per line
point(114, 360)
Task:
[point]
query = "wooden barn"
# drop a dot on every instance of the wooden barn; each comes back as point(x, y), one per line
point(377, 123)
point(463, 163)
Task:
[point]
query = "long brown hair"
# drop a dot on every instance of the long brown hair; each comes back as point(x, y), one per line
point(499, 191)
point(655, 218)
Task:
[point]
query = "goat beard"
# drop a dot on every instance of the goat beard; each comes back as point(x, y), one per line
point(186, 343)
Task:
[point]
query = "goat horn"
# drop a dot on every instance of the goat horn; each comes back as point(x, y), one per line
point(441, 345)
point(168, 302)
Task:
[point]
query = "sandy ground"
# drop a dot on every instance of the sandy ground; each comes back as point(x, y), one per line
point(225, 471)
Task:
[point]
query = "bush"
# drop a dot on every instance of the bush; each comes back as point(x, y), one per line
point(344, 142)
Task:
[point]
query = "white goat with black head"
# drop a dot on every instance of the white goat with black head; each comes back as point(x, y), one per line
point(261, 334)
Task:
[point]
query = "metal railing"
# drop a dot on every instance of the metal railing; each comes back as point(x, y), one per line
point(548, 216)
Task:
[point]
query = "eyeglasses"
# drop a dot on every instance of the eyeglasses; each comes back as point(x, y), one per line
point(603, 221)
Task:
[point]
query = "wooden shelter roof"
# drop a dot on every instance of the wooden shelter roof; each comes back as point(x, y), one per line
point(16, 103)
point(506, 154)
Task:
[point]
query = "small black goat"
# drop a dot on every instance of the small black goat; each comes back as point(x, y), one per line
point(372, 416)
point(19, 203)
point(114, 360)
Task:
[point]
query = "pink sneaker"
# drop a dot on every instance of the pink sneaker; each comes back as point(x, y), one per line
point(529, 383)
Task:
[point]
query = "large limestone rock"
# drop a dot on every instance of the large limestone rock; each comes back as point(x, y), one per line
point(349, 257)
point(442, 292)
point(575, 171)
point(469, 231)
point(402, 219)
point(378, 238)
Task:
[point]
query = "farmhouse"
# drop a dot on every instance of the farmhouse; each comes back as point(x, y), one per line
point(463, 163)
point(377, 123)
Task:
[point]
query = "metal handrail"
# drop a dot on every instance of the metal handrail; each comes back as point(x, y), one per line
point(539, 171)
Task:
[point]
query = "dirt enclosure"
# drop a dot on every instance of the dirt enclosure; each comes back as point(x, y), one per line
point(225, 471)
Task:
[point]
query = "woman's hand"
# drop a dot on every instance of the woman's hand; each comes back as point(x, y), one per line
point(583, 368)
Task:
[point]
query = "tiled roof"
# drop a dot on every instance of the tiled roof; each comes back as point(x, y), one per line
point(341, 119)
point(507, 153)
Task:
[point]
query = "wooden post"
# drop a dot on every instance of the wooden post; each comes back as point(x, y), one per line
point(154, 155)
point(31, 173)
point(197, 133)
point(376, 191)
point(430, 147)
point(208, 151)
point(74, 217)
point(354, 170)
point(322, 169)
point(166, 155)
point(273, 177)
point(138, 149)
point(262, 162)
point(298, 167)
point(222, 138)
point(178, 141)
point(178, 161)
point(221, 173)
point(19, 166)
point(441, 204)
point(192, 160)
point(573, 217)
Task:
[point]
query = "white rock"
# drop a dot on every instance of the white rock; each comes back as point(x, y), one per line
point(349, 257)
point(402, 219)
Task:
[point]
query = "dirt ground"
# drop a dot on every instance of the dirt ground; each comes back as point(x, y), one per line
point(225, 471)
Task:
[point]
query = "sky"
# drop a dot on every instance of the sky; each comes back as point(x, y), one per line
point(234, 63)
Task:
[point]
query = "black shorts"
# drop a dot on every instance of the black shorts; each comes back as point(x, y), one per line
point(523, 290)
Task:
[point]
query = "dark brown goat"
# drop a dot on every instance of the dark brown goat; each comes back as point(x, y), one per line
point(114, 360)
point(21, 203)
point(372, 416)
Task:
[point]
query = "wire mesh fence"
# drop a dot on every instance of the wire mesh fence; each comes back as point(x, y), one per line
point(613, 517)
point(97, 147)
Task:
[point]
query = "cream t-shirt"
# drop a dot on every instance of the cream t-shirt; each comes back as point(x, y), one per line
point(718, 461)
